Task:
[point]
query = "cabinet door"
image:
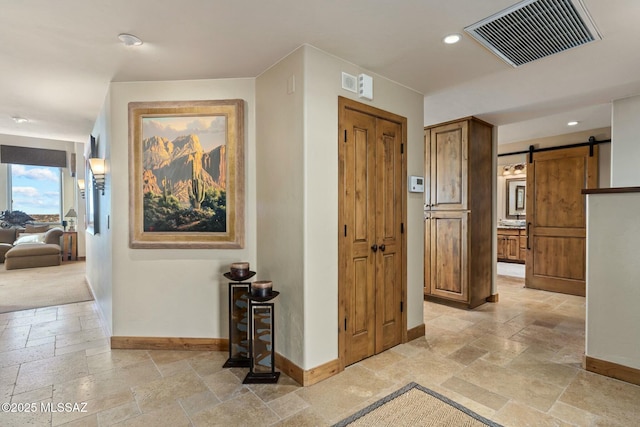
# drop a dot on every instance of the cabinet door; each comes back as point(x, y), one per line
point(513, 248)
point(446, 153)
point(448, 255)
point(502, 247)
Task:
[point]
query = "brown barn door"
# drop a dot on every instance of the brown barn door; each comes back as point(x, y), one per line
point(371, 244)
point(556, 218)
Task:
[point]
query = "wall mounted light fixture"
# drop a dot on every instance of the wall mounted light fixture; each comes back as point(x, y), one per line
point(81, 187)
point(98, 171)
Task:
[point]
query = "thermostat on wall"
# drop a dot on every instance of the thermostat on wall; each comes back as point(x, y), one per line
point(416, 184)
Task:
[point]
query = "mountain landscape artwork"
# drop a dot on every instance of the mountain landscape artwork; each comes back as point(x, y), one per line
point(184, 174)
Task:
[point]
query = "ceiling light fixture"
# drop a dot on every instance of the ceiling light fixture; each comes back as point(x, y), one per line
point(452, 38)
point(129, 39)
point(19, 119)
point(573, 123)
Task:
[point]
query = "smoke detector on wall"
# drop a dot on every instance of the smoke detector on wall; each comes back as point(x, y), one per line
point(534, 29)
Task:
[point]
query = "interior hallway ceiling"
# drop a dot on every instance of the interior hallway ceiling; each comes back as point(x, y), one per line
point(57, 58)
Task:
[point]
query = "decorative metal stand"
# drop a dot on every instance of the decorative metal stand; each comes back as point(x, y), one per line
point(239, 292)
point(261, 342)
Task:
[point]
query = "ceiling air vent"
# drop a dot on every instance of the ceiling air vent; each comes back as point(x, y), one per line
point(533, 29)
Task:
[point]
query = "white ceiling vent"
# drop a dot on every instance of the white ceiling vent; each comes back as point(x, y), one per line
point(533, 29)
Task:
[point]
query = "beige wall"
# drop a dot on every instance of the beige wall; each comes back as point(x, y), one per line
point(165, 292)
point(99, 264)
point(613, 231)
point(302, 250)
point(280, 196)
point(613, 294)
point(626, 149)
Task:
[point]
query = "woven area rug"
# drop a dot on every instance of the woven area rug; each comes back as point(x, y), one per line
point(28, 288)
point(415, 405)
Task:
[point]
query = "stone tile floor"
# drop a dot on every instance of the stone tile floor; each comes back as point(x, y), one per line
point(517, 362)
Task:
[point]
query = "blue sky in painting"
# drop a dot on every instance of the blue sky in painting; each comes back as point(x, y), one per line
point(35, 189)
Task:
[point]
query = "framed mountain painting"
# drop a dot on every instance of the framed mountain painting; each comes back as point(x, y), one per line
point(186, 174)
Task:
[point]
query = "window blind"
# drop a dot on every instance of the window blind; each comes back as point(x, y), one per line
point(33, 156)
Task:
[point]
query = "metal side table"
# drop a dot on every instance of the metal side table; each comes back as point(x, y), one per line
point(261, 341)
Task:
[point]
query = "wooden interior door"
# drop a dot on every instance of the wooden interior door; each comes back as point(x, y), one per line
point(371, 248)
point(556, 218)
point(388, 218)
point(359, 236)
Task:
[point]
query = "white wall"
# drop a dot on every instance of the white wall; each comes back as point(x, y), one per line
point(613, 294)
point(99, 264)
point(298, 230)
point(626, 149)
point(280, 196)
point(167, 292)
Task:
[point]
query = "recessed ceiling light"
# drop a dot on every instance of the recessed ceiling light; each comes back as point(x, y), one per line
point(574, 123)
point(129, 39)
point(452, 38)
point(19, 119)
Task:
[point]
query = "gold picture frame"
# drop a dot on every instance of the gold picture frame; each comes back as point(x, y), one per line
point(186, 174)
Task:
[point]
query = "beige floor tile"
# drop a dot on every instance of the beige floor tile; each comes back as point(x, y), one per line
point(506, 382)
point(20, 419)
point(85, 345)
point(162, 357)
point(93, 406)
point(55, 327)
point(517, 361)
point(308, 417)
point(244, 410)
point(208, 363)
point(529, 365)
point(156, 394)
point(49, 370)
point(118, 414)
point(225, 384)
point(339, 396)
point(467, 354)
point(516, 414)
point(32, 396)
point(73, 338)
point(269, 392)
point(113, 359)
point(605, 397)
point(383, 360)
point(32, 320)
point(449, 323)
point(572, 415)
point(288, 405)
point(199, 402)
point(88, 421)
point(476, 393)
point(170, 415)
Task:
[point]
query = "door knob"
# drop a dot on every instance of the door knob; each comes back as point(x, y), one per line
point(382, 247)
point(374, 248)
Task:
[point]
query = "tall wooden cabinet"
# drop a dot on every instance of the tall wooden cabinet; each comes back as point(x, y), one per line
point(458, 208)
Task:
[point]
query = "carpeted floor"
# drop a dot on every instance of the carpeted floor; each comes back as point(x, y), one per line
point(415, 405)
point(43, 287)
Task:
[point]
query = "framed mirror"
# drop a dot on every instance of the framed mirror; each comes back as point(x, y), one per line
point(516, 198)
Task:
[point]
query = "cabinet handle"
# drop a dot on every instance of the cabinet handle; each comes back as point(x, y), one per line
point(382, 248)
point(374, 248)
point(528, 227)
